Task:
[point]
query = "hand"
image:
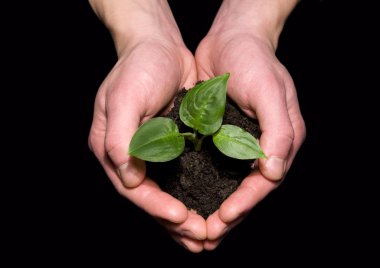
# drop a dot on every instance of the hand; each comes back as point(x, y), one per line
point(153, 64)
point(263, 89)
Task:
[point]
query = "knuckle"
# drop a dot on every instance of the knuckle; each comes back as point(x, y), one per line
point(93, 143)
point(90, 142)
point(300, 129)
point(303, 131)
point(116, 149)
point(288, 133)
point(110, 144)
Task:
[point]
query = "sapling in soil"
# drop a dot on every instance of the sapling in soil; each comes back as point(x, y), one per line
point(202, 109)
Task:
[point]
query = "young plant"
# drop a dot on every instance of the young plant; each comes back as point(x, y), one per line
point(202, 109)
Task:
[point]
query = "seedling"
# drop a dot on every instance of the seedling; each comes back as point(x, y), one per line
point(202, 109)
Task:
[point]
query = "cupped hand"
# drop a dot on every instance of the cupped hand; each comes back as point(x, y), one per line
point(143, 84)
point(263, 89)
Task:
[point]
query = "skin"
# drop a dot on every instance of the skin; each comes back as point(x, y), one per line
point(263, 89)
point(242, 41)
point(134, 91)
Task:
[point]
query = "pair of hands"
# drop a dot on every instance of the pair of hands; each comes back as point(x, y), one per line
point(150, 70)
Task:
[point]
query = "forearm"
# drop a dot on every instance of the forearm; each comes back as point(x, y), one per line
point(131, 21)
point(264, 18)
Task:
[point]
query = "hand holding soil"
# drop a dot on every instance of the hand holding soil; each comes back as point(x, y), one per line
point(154, 63)
point(264, 90)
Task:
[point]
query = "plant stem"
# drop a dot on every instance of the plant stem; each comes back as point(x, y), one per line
point(193, 137)
point(198, 145)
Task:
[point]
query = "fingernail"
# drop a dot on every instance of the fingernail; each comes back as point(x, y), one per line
point(276, 168)
point(132, 173)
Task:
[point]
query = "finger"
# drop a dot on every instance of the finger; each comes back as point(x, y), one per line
point(124, 117)
point(153, 200)
point(277, 135)
point(194, 227)
point(250, 192)
point(299, 137)
point(217, 228)
point(147, 195)
point(189, 76)
point(205, 73)
point(156, 202)
point(192, 245)
point(296, 118)
point(212, 244)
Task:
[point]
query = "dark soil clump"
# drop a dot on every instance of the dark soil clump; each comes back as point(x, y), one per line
point(203, 180)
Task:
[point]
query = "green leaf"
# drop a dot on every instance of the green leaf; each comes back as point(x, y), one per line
point(237, 143)
point(202, 108)
point(157, 140)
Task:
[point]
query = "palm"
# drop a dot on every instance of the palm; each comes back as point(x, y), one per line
point(250, 61)
point(142, 70)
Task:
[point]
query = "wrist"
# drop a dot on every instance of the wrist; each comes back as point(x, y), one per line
point(262, 18)
point(134, 21)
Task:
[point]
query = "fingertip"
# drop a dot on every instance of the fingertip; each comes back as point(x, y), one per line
point(273, 168)
point(198, 226)
point(215, 226)
point(237, 205)
point(157, 203)
point(176, 212)
point(194, 227)
point(132, 173)
point(193, 245)
point(211, 245)
point(189, 244)
point(229, 212)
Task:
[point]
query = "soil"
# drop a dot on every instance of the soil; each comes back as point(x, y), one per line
point(203, 180)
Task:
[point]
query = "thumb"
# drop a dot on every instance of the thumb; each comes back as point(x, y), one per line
point(276, 147)
point(122, 122)
point(276, 139)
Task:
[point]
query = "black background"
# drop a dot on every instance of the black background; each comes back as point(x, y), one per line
point(65, 210)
